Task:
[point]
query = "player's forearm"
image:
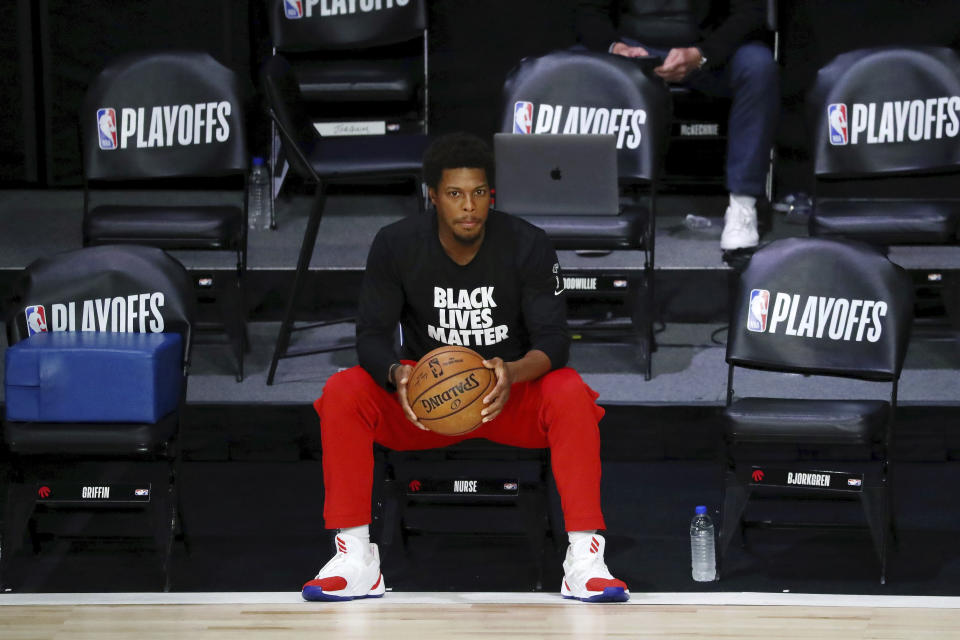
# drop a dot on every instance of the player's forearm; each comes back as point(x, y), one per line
point(376, 354)
point(530, 367)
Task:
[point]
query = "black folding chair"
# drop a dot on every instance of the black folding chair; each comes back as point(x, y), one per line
point(825, 308)
point(886, 158)
point(592, 93)
point(171, 121)
point(320, 160)
point(364, 70)
point(99, 299)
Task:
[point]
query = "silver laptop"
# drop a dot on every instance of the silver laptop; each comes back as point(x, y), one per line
point(556, 174)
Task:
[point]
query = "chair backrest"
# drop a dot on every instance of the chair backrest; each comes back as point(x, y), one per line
point(595, 93)
point(316, 25)
point(822, 306)
point(114, 288)
point(282, 93)
point(887, 111)
point(164, 114)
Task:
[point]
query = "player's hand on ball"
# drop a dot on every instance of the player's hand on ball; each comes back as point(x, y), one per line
point(496, 400)
point(401, 375)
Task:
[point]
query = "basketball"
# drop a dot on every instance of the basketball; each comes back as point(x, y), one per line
point(446, 390)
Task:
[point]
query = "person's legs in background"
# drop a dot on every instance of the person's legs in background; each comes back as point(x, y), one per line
point(751, 80)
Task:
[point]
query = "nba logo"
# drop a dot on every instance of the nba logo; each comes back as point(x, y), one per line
point(837, 123)
point(107, 128)
point(523, 117)
point(36, 319)
point(757, 313)
point(293, 9)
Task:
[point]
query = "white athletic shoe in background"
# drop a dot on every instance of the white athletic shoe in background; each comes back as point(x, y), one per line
point(352, 573)
point(585, 574)
point(740, 224)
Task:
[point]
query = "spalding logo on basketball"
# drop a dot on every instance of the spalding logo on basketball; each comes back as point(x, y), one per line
point(446, 390)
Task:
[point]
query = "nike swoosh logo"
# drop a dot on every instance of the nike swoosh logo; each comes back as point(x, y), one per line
point(556, 293)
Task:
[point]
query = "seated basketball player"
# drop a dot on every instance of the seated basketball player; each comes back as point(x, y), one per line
point(462, 254)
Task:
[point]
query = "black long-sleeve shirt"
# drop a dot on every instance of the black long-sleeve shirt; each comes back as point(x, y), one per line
point(505, 302)
point(717, 28)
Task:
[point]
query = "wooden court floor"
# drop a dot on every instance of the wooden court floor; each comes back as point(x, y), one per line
point(426, 618)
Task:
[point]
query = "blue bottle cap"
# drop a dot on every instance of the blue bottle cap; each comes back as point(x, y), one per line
point(701, 510)
point(257, 161)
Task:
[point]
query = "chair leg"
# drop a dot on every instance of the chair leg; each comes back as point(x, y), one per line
point(554, 553)
point(734, 502)
point(891, 510)
point(274, 156)
point(299, 280)
point(164, 516)
point(875, 502)
point(239, 339)
point(232, 310)
point(641, 315)
point(18, 513)
point(533, 503)
point(391, 498)
point(555, 516)
point(180, 530)
point(650, 316)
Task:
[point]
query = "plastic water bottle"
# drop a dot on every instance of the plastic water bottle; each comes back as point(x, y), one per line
point(258, 196)
point(702, 547)
point(693, 221)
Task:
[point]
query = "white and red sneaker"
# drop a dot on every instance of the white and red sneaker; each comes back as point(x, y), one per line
point(350, 574)
point(585, 575)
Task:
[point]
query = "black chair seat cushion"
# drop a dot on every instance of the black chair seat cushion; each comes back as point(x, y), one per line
point(624, 231)
point(95, 439)
point(888, 221)
point(385, 155)
point(172, 227)
point(355, 81)
point(792, 421)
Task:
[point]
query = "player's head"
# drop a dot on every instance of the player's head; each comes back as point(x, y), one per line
point(457, 169)
point(456, 151)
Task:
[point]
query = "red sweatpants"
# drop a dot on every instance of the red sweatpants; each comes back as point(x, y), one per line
point(557, 411)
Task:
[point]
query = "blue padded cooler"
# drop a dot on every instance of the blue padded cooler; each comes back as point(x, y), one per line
point(92, 376)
